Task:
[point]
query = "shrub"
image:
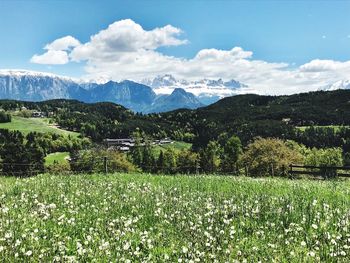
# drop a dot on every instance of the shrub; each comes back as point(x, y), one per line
point(269, 156)
point(92, 161)
point(4, 117)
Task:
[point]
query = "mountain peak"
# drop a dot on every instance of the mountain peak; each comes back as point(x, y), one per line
point(180, 91)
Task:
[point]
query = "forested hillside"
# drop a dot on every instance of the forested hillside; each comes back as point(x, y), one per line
point(247, 116)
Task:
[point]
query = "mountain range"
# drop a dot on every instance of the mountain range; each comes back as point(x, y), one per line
point(160, 94)
point(37, 86)
point(206, 90)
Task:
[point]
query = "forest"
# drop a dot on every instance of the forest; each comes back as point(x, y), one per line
point(226, 137)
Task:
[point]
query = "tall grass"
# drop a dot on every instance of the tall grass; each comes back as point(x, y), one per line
point(144, 218)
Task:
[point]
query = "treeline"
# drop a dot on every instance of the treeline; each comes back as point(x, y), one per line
point(262, 157)
point(246, 116)
point(23, 155)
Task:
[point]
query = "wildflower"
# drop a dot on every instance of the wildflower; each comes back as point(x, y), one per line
point(303, 243)
point(184, 250)
point(29, 253)
point(311, 254)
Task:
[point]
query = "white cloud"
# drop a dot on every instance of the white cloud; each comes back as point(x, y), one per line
point(125, 36)
point(64, 43)
point(56, 53)
point(124, 50)
point(51, 57)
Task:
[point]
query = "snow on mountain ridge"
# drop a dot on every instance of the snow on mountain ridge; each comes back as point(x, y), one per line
point(340, 84)
point(207, 90)
point(30, 73)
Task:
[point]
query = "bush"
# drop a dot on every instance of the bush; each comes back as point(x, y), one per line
point(324, 157)
point(4, 117)
point(93, 161)
point(187, 162)
point(269, 157)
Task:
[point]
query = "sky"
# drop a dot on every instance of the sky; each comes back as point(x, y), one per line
point(274, 47)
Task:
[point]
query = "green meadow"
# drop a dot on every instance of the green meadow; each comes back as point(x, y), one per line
point(26, 125)
point(145, 218)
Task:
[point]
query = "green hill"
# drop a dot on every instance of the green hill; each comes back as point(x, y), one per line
point(26, 125)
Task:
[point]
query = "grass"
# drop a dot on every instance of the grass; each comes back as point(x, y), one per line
point(145, 218)
point(27, 125)
point(335, 127)
point(176, 146)
point(59, 157)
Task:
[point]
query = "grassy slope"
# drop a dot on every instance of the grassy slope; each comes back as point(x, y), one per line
point(135, 217)
point(27, 125)
point(335, 127)
point(176, 146)
point(60, 157)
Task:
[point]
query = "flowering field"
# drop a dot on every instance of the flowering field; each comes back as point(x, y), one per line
point(142, 218)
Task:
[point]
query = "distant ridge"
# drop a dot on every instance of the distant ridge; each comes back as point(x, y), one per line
point(38, 86)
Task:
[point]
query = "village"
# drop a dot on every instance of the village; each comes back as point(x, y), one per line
point(127, 144)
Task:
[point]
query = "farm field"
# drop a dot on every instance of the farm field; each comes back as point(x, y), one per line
point(27, 125)
point(140, 217)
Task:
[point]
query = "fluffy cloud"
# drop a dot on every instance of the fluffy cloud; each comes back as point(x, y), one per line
point(123, 37)
point(57, 51)
point(124, 50)
point(51, 57)
point(64, 43)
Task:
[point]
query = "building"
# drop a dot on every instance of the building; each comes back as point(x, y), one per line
point(127, 143)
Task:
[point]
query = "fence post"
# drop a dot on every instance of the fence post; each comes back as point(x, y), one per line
point(272, 170)
point(246, 170)
point(105, 164)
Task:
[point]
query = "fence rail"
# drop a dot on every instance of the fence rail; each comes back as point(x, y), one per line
point(324, 171)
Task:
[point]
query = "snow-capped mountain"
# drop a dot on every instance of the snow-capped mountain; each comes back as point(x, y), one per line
point(178, 99)
point(38, 86)
point(341, 84)
point(206, 90)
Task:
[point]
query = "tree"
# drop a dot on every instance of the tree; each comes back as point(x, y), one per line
point(187, 161)
point(210, 157)
point(269, 156)
point(160, 161)
point(324, 157)
point(4, 117)
point(20, 156)
point(169, 166)
point(231, 153)
point(136, 152)
point(92, 161)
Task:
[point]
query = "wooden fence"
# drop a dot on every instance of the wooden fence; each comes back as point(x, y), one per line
point(324, 171)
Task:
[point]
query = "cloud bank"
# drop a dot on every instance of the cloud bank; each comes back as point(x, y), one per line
point(124, 50)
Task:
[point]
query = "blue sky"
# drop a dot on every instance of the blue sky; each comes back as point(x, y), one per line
point(294, 33)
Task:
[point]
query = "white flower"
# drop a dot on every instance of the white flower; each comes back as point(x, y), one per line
point(184, 250)
point(303, 243)
point(314, 226)
point(29, 253)
point(311, 254)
